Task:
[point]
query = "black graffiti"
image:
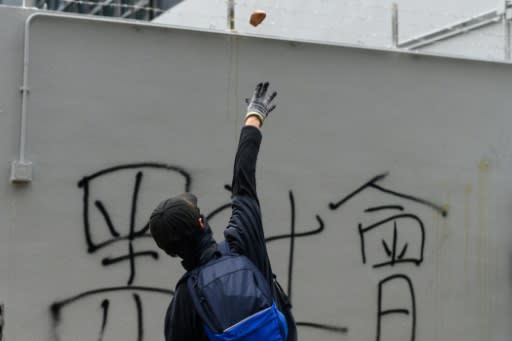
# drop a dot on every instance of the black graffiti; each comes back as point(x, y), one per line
point(131, 236)
point(104, 306)
point(133, 233)
point(334, 206)
point(140, 329)
point(108, 221)
point(395, 250)
point(217, 211)
point(410, 312)
point(372, 184)
point(384, 207)
point(84, 183)
point(292, 236)
point(291, 259)
point(392, 253)
point(327, 327)
point(396, 253)
point(57, 307)
point(440, 209)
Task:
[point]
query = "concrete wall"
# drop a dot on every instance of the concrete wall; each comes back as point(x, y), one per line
point(361, 22)
point(121, 116)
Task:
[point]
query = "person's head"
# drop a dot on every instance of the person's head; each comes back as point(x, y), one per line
point(176, 225)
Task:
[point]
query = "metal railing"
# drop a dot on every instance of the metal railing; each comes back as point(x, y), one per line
point(146, 10)
point(502, 14)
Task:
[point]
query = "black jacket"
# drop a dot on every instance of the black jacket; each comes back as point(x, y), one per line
point(243, 235)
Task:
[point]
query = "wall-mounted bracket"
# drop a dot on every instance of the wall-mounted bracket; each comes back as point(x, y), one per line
point(21, 173)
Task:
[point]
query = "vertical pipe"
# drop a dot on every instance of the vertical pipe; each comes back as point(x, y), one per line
point(231, 15)
point(117, 8)
point(507, 28)
point(24, 90)
point(394, 24)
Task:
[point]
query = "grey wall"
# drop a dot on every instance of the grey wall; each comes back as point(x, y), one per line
point(111, 103)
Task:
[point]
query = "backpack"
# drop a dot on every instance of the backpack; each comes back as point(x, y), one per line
point(235, 302)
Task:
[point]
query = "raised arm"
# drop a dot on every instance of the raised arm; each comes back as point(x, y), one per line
point(244, 233)
point(244, 171)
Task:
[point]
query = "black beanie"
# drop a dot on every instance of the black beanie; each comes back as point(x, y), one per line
point(174, 224)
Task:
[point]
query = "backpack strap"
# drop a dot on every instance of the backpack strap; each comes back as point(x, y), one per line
point(190, 280)
point(279, 294)
point(200, 302)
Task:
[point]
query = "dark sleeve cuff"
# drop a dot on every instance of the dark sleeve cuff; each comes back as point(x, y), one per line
point(250, 132)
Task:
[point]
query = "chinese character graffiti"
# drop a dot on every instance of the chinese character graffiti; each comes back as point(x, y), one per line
point(390, 237)
point(106, 230)
point(403, 284)
point(396, 240)
point(117, 222)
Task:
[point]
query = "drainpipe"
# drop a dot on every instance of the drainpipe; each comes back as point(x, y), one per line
point(231, 15)
point(394, 25)
point(507, 16)
point(21, 169)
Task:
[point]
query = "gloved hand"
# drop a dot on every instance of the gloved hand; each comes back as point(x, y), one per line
point(260, 104)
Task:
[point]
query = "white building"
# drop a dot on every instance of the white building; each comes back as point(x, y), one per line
point(361, 22)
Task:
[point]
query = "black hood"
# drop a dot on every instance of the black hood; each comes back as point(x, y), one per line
point(202, 252)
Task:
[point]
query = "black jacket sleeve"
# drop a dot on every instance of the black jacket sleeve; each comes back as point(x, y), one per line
point(244, 232)
point(244, 170)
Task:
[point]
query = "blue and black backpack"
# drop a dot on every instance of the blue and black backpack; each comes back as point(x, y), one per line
point(235, 301)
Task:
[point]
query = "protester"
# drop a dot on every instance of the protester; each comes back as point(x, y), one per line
point(179, 229)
